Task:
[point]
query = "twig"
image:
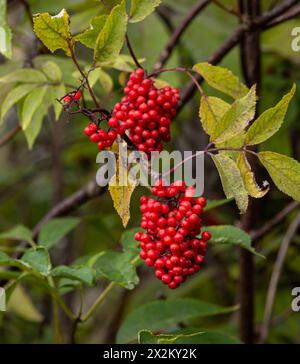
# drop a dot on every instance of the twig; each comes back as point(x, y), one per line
point(259, 233)
point(290, 14)
point(271, 295)
point(173, 41)
point(228, 9)
point(10, 135)
point(28, 10)
point(232, 41)
point(131, 51)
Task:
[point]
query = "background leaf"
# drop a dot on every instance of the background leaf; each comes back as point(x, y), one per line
point(161, 315)
point(140, 9)
point(89, 37)
point(5, 32)
point(116, 267)
point(24, 75)
point(228, 234)
point(54, 230)
point(81, 273)
point(19, 232)
point(31, 103)
point(37, 259)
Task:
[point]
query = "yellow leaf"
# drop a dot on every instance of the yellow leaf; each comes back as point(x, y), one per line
point(121, 188)
point(249, 179)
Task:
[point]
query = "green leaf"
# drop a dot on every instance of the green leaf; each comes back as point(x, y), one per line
point(140, 9)
point(231, 179)
point(105, 81)
point(57, 92)
point(14, 96)
point(249, 178)
point(5, 259)
point(228, 234)
point(236, 119)
point(116, 267)
point(38, 260)
point(19, 232)
point(54, 230)
point(111, 38)
point(52, 71)
point(270, 121)
point(221, 79)
point(188, 337)
point(79, 273)
point(211, 204)
point(31, 103)
point(24, 75)
point(54, 31)
point(161, 315)
point(284, 171)
point(5, 32)
point(128, 242)
point(212, 109)
point(89, 37)
point(21, 304)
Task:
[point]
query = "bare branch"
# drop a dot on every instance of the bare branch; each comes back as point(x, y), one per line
point(173, 41)
point(258, 234)
point(10, 135)
point(276, 275)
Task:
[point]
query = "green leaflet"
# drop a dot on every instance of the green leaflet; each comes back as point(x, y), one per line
point(284, 171)
point(140, 9)
point(31, 103)
point(89, 37)
point(111, 38)
point(236, 119)
point(269, 122)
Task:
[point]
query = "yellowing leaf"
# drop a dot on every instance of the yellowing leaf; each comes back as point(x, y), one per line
point(121, 188)
point(235, 142)
point(54, 31)
point(111, 38)
point(249, 179)
point(140, 9)
point(236, 119)
point(89, 37)
point(21, 304)
point(231, 179)
point(269, 121)
point(285, 172)
point(221, 79)
point(211, 111)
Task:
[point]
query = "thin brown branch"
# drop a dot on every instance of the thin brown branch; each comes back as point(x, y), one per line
point(10, 135)
point(261, 22)
point(271, 294)
point(269, 225)
point(174, 39)
point(290, 14)
point(228, 9)
point(132, 53)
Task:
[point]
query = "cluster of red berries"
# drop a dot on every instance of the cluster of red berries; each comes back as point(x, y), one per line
point(172, 223)
point(145, 111)
point(74, 96)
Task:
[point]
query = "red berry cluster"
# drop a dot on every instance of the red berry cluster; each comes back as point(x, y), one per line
point(74, 96)
point(145, 111)
point(172, 223)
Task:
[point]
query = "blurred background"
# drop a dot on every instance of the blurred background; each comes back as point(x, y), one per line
point(62, 161)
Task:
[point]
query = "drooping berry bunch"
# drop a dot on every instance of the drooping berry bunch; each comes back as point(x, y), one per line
point(73, 96)
point(172, 223)
point(145, 111)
